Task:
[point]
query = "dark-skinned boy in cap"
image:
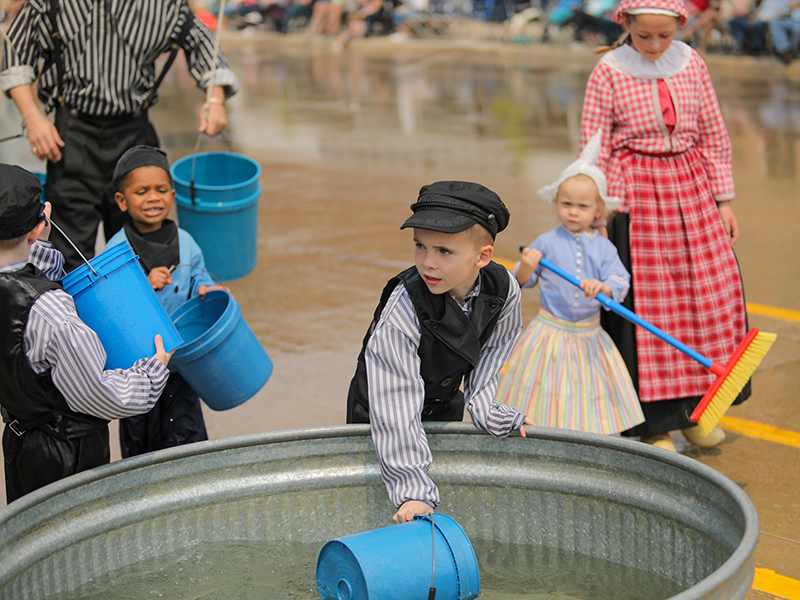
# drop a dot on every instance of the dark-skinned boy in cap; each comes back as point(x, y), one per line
point(454, 316)
point(56, 397)
point(175, 267)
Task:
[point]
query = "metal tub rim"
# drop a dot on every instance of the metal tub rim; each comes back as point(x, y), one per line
point(741, 556)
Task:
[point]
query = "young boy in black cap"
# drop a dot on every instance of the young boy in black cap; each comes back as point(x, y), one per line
point(56, 397)
point(174, 265)
point(456, 315)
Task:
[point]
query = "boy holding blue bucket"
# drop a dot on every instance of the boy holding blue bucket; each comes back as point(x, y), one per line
point(174, 265)
point(455, 315)
point(56, 397)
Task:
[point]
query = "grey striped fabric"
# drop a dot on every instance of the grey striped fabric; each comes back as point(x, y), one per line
point(110, 49)
point(56, 339)
point(396, 392)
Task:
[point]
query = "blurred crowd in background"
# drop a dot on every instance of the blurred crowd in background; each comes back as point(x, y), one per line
point(768, 28)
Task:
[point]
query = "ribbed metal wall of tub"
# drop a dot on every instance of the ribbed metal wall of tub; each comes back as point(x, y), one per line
point(603, 496)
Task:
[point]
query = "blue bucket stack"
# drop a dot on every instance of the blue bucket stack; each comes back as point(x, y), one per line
point(220, 358)
point(116, 300)
point(396, 563)
point(222, 212)
point(43, 180)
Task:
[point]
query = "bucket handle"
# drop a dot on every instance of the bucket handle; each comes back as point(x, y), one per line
point(193, 267)
point(206, 271)
point(432, 591)
point(194, 160)
point(61, 231)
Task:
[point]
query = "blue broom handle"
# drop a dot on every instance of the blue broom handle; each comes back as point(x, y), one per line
point(630, 315)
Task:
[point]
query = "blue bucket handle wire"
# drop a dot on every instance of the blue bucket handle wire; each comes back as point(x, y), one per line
point(61, 231)
point(194, 161)
point(432, 591)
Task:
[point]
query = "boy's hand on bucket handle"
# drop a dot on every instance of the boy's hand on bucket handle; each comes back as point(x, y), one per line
point(527, 421)
point(204, 289)
point(160, 354)
point(159, 277)
point(407, 511)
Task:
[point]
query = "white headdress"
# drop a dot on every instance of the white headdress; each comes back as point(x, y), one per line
point(586, 165)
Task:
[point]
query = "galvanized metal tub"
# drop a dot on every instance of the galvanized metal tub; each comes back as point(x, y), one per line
point(603, 496)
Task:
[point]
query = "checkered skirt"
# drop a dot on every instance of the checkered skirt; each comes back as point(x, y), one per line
point(685, 277)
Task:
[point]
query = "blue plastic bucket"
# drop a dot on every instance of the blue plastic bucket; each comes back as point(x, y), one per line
point(43, 180)
point(119, 304)
point(221, 358)
point(396, 563)
point(223, 218)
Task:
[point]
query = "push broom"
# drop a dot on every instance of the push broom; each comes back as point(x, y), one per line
point(731, 378)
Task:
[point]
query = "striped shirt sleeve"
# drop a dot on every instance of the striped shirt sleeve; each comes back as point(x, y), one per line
point(199, 48)
point(121, 37)
point(47, 259)
point(25, 45)
point(396, 395)
point(56, 339)
point(480, 386)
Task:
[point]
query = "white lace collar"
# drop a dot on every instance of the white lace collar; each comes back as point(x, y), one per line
point(628, 61)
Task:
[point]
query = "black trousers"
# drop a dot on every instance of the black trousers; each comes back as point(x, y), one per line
point(175, 420)
point(79, 186)
point(37, 458)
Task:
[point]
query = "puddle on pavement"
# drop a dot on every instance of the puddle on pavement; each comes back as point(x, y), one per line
point(346, 141)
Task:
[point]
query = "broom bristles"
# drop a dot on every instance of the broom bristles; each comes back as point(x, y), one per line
point(735, 380)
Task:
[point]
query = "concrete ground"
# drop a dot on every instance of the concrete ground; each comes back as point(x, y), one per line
point(346, 139)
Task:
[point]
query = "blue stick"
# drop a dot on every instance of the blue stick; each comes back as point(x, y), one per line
point(631, 316)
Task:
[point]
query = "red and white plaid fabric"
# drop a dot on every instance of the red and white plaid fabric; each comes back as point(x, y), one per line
point(627, 110)
point(676, 6)
point(685, 277)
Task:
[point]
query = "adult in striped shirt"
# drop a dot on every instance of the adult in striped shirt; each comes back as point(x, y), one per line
point(99, 77)
point(55, 395)
point(454, 316)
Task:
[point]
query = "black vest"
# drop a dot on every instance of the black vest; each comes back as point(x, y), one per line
point(26, 396)
point(450, 342)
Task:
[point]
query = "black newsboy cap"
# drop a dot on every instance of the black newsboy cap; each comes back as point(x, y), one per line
point(21, 206)
point(453, 206)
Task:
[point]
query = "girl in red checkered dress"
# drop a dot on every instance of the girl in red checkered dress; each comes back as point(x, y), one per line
point(666, 153)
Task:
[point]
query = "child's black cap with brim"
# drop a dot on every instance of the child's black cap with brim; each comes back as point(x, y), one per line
point(137, 157)
point(453, 206)
point(21, 206)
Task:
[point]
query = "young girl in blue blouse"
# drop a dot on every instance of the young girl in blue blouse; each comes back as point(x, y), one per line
point(565, 371)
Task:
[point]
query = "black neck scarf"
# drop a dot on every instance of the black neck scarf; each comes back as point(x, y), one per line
point(155, 249)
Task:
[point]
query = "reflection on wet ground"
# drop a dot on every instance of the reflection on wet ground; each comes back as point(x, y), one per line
point(345, 142)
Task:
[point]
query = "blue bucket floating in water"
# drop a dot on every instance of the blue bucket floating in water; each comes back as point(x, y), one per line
point(396, 563)
point(221, 359)
point(223, 215)
point(119, 304)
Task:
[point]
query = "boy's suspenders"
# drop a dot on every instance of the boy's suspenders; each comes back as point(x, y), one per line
point(58, 56)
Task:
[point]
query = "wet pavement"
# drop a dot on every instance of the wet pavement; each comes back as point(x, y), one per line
point(345, 141)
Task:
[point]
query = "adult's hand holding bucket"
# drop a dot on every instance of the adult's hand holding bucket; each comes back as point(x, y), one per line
point(221, 358)
point(114, 298)
point(396, 563)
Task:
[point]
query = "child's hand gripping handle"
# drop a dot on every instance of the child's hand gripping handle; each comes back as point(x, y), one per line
point(634, 318)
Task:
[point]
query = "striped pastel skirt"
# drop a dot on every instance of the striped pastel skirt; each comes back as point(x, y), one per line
point(570, 375)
